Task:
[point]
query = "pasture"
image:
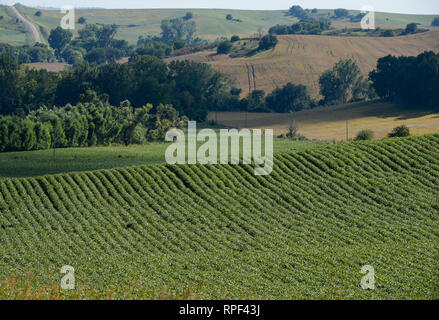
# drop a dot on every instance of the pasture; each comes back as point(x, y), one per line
point(211, 23)
point(329, 123)
point(43, 162)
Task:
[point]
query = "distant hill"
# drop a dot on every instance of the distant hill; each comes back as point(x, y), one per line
point(211, 23)
point(302, 58)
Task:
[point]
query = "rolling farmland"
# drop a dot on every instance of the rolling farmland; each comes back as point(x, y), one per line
point(304, 231)
point(211, 22)
point(301, 59)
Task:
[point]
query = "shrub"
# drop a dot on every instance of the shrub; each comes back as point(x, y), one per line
point(82, 20)
point(400, 131)
point(235, 38)
point(388, 33)
point(229, 17)
point(188, 16)
point(224, 47)
point(364, 135)
point(267, 42)
point(38, 14)
point(435, 22)
point(298, 12)
point(411, 28)
point(341, 13)
point(178, 43)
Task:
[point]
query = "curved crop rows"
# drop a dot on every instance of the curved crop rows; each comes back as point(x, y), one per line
point(304, 231)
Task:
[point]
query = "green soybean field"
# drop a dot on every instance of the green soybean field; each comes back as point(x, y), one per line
point(303, 232)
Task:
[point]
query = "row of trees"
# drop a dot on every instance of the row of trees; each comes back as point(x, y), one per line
point(191, 87)
point(94, 43)
point(408, 80)
point(39, 52)
point(289, 98)
point(341, 84)
point(302, 27)
point(91, 122)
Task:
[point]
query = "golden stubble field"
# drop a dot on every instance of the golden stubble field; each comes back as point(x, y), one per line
point(301, 59)
point(329, 123)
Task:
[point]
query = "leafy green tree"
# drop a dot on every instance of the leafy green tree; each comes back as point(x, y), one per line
point(364, 135)
point(76, 82)
point(38, 88)
point(82, 20)
point(341, 13)
point(256, 101)
point(157, 48)
point(178, 44)
point(229, 17)
point(178, 29)
point(400, 131)
point(411, 28)
point(342, 82)
point(268, 42)
point(150, 82)
point(10, 84)
point(411, 81)
point(4, 134)
point(298, 12)
point(42, 132)
point(73, 56)
point(103, 55)
point(188, 16)
point(224, 47)
point(234, 38)
point(388, 33)
point(435, 22)
point(290, 98)
point(14, 138)
point(59, 38)
point(28, 137)
point(197, 86)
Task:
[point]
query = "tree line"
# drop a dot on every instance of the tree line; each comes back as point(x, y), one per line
point(408, 80)
point(301, 27)
point(93, 121)
point(193, 88)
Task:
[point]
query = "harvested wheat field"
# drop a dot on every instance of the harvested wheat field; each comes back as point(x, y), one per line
point(302, 58)
point(329, 123)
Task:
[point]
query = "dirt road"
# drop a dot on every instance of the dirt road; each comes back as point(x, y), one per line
point(28, 26)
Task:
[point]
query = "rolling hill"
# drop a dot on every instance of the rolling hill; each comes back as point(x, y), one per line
point(211, 23)
point(305, 231)
point(302, 58)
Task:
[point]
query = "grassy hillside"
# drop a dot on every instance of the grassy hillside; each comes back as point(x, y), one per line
point(302, 58)
point(211, 23)
point(42, 162)
point(329, 123)
point(133, 23)
point(11, 31)
point(305, 231)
